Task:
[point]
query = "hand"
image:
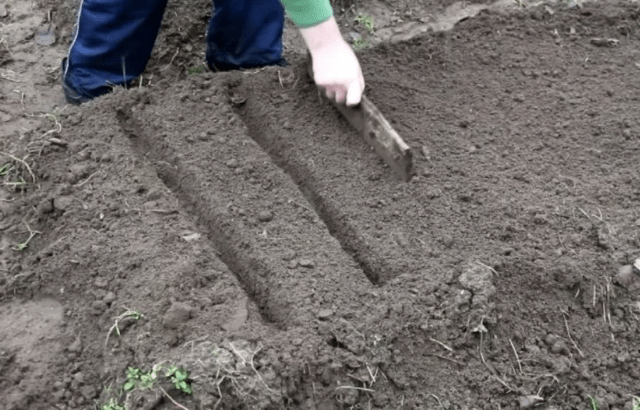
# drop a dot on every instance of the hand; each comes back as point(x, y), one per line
point(335, 66)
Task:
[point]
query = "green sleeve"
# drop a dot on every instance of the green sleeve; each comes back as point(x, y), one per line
point(307, 13)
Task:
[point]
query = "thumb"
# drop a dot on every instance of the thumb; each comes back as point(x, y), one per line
point(354, 94)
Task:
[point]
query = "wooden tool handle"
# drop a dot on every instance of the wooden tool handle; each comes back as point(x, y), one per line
point(377, 131)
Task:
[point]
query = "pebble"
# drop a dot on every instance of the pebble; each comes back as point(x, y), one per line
point(203, 136)
point(3, 11)
point(62, 203)
point(109, 298)
point(307, 263)
point(292, 264)
point(233, 163)
point(265, 216)
point(325, 314)
point(526, 402)
point(625, 276)
point(353, 37)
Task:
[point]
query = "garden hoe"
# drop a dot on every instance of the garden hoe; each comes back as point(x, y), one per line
point(376, 130)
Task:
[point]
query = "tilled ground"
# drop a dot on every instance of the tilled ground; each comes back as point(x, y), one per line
point(234, 226)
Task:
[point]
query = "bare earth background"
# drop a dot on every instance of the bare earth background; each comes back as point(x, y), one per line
point(234, 226)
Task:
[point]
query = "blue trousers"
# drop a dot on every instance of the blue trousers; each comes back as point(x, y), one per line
point(114, 38)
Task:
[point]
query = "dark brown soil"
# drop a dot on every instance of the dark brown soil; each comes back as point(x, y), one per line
point(270, 253)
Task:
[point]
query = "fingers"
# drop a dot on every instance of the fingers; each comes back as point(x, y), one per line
point(354, 94)
point(350, 96)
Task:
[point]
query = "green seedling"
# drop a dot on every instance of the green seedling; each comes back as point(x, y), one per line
point(5, 169)
point(112, 405)
point(635, 403)
point(137, 379)
point(366, 21)
point(127, 315)
point(196, 70)
point(179, 377)
point(24, 244)
point(593, 402)
point(360, 44)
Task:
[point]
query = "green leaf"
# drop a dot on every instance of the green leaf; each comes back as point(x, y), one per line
point(130, 385)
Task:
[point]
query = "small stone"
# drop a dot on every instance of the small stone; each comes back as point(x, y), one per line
point(526, 402)
point(625, 276)
point(325, 314)
point(559, 347)
point(58, 141)
point(307, 263)
point(101, 282)
point(233, 163)
point(353, 37)
point(80, 170)
point(109, 298)
point(3, 11)
point(62, 203)
point(296, 342)
point(177, 314)
point(265, 216)
point(204, 136)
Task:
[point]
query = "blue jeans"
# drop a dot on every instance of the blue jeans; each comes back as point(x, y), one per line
point(113, 41)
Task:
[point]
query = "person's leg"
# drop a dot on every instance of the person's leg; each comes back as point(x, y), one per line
point(112, 43)
point(245, 34)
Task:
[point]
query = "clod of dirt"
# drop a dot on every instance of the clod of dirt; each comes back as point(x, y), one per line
point(307, 263)
point(233, 163)
point(98, 307)
point(109, 298)
point(101, 282)
point(76, 346)
point(238, 319)
point(625, 276)
point(3, 11)
point(62, 203)
point(325, 314)
point(265, 216)
point(177, 314)
point(479, 280)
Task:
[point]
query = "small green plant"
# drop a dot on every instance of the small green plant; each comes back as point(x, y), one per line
point(127, 315)
point(112, 405)
point(179, 377)
point(635, 403)
point(366, 21)
point(360, 44)
point(137, 379)
point(593, 402)
point(5, 169)
point(199, 69)
point(24, 244)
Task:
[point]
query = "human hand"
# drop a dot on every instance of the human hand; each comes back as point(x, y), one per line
point(335, 66)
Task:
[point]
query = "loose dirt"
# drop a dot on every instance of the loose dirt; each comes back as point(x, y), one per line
point(232, 225)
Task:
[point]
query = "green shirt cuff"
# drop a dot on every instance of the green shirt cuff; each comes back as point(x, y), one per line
point(307, 13)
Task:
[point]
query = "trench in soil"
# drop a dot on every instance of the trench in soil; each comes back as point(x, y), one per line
point(329, 211)
point(218, 232)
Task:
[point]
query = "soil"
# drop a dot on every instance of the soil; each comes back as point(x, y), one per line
point(234, 226)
